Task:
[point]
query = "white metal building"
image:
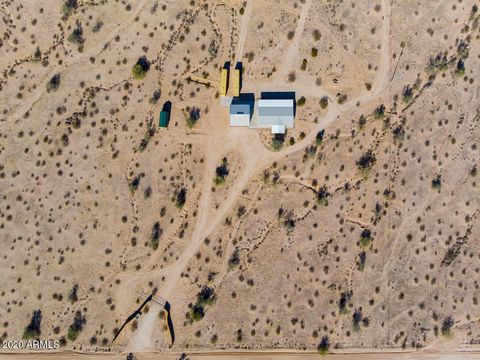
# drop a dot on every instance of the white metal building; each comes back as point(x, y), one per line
point(278, 114)
point(240, 114)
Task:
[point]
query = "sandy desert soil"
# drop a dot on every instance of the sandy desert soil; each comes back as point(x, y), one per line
point(357, 230)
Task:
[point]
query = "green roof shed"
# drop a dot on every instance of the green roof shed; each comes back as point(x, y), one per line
point(164, 119)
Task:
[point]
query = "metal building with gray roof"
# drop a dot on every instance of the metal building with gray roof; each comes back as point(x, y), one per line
point(277, 114)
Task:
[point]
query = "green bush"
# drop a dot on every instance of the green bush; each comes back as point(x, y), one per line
point(140, 69)
point(324, 102)
point(304, 65)
point(69, 6)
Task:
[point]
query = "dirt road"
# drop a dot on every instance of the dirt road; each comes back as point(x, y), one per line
point(269, 355)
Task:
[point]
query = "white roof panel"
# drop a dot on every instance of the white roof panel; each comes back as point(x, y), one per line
point(278, 129)
point(275, 103)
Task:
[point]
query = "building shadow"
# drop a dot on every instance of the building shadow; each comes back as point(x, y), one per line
point(239, 67)
point(168, 315)
point(167, 106)
point(245, 99)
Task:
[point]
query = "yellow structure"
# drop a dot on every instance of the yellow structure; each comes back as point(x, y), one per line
point(224, 80)
point(237, 80)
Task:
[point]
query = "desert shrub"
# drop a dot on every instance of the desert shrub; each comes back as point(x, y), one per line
point(140, 68)
point(69, 6)
point(155, 97)
point(365, 237)
point(399, 132)
point(76, 37)
point(344, 299)
point(221, 172)
point(357, 318)
point(324, 102)
point(157, 231)
point(362, 258)
point(314, 52)
point(303, 67)
point(130, 356)
point(460, 70)
point(250, 56)
point(316, 34)
point(234, 259)
point(292, 76)
point(194, 114)
point(73, 295)
point(197, 313)
point(135, 183)
point(277, 141)
point(447, 326)
point(407, 93)
point(98, 26)
point(33, 330)
point(147, 192)
point(379, 112)
point(242, 11)
point(76, 327)
point(438, 62)
point(37, 54)
point(437, 182)
point(362, 121)
point(322, 195)
point(473, 171)
point(301, 101)
point(206, 296)
point(54, 83)
point(342, 98)
point(462, 49)
point(324, 345)
point(378, 210)
point(366, 161)
point(181, 198)
point(289, 222)
point(319, 137)
point(290, 35)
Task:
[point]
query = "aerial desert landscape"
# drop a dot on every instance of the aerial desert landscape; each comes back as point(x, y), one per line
point(357, 231)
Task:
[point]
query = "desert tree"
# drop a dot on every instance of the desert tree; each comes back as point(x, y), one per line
point(366, 161)
point(365, 237)
point(221, 172)
point(33, 330)
point(181, 198)
point(437, 182)
point(447, 326)
point(324, 345)
point(319, 137)
point(322, 195)
point(357, 318)
point(140, 68)
point(77, 325)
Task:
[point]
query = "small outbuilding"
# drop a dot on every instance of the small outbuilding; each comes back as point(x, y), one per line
point(241, 110)
point(164, 119)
